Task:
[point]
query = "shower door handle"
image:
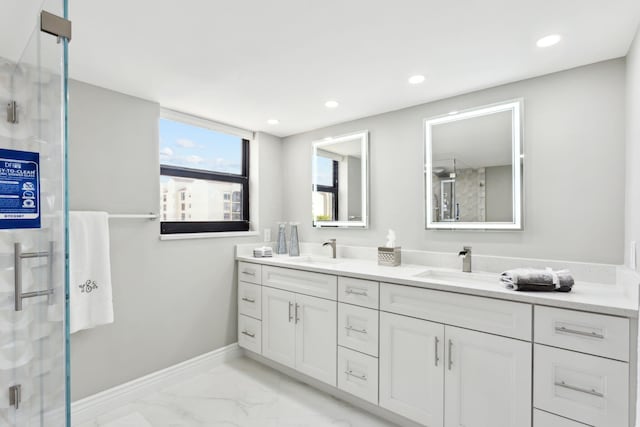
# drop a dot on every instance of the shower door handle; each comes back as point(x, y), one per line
point(18, 257)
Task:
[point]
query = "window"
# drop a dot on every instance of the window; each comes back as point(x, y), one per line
point(325, 196)
point(204, 178)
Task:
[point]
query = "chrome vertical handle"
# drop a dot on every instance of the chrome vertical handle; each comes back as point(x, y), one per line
point(290, 314)
point(17, 259)
point(297, 317)
point(15, 395)
point(436, 350)
point(17, 270)
point(450, 357)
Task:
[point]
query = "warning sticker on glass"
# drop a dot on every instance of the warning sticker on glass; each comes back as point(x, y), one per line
point(19, 189)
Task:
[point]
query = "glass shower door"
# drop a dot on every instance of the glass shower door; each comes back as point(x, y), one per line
point(33, 243)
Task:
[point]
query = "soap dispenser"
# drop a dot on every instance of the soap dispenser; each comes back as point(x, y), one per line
point(281, 247)
point(294, 247)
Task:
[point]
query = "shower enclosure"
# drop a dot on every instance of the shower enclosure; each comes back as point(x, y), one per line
point(34, 372)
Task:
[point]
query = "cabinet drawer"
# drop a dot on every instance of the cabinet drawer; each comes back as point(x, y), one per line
point(358, 292)
point(589, 389)
point(248, 272)
point(510, 319)
point(250, 333)
point(358, 328)
point(302, 282)
point(358, 374)
point(545, 419)
point(598, 334)
point(250, 299)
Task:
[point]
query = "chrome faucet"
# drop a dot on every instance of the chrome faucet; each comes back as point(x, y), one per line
point(465, 254)
point(332, 243)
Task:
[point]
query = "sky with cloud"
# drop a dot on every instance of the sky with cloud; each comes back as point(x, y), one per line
point(199, 148)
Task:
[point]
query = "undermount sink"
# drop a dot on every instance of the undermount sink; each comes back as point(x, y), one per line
point(313, 259)
point(456, 276)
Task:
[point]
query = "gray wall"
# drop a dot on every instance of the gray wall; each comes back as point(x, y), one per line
point(499, 193)
point(173, 300)
point(632, 208)
point(574, 171)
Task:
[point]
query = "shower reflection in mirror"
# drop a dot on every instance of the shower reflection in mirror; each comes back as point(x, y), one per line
point(474, 168)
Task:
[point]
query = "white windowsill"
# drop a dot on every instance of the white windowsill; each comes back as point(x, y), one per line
point(185, 236)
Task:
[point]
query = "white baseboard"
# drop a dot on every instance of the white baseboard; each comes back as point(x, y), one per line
point(90, 407)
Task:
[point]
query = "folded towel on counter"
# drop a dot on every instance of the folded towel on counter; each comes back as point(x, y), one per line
point(90, 303)
point(531, 279)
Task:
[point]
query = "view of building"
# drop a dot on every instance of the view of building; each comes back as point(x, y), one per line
point(184, 199)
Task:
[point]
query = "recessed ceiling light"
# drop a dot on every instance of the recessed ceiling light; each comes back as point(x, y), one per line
point(331, 104)
point(273, 121)
point(417, 79)
point(549, 40)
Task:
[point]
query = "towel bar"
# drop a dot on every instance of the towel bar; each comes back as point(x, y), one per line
point(18, 257)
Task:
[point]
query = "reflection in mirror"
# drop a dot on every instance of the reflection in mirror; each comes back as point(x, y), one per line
point(474, 169)
point(340, 175)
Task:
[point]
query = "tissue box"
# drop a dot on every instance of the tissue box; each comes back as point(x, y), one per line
point(389, 256)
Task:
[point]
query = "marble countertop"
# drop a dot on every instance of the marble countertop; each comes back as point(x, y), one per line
point(620, 299)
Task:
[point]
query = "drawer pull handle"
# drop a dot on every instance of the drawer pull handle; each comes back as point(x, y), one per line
point(450, 355)
point(357, 292)
point(592, 392)
point(360, 377)
point(249, 272)
point(249, 334)
point(575, 332)
point(351, 328)
point(290, 314)
point(436, 350)
point(297, 316)
point(251, 300)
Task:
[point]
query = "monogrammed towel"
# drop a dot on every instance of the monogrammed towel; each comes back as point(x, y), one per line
point(90, 303)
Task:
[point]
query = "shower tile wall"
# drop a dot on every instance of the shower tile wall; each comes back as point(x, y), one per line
point(31, 340)
point(470, 194)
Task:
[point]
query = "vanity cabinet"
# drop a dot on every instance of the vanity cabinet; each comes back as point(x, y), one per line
point(299, 331)
point(278, 326)
point(486, 378)
point(412, 368)
point(440, 358)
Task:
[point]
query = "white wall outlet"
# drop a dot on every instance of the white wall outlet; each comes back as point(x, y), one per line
point(267, 234)
point(633, 263)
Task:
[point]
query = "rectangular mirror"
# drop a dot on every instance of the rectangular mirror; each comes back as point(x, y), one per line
point(340, 172)
point(473, 173)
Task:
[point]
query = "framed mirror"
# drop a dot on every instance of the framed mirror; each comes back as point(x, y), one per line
point(474, 167)
point(340, 176)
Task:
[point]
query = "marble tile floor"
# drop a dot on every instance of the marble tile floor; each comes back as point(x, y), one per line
point(239, 393)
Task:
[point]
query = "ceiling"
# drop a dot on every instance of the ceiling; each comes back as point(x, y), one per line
point(244, 62)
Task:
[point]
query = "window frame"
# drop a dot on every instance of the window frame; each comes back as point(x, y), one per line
point(331, 189)
point(197, 227)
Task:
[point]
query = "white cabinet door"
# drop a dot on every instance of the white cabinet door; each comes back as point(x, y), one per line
point(316, 338)
point(412, 368)
point(278, 326)
point(487, 380)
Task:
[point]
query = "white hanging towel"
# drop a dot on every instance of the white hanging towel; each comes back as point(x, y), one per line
point(91, 302)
